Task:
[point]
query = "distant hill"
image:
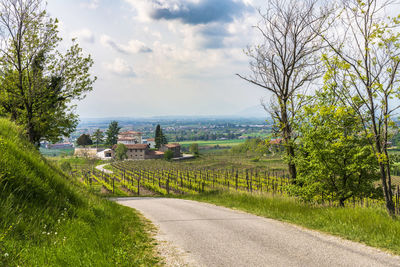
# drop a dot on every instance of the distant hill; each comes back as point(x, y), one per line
point(253, 112)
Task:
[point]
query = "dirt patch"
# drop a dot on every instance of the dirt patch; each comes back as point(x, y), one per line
point(146, 192)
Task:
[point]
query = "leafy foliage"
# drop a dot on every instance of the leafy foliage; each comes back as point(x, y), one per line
point(160, 138)
point(334, 157)
point(112, 133)
point(98, 136)
point(194, 149)
point(168, 155)
point(84, 140)
point(120, 152)
point(38, 83)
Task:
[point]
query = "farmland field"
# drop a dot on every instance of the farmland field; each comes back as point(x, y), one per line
point(213, 143)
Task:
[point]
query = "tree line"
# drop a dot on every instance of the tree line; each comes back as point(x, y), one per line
point(332, 69)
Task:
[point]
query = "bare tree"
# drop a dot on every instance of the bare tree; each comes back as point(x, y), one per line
point(365, 67)
point(286, 62)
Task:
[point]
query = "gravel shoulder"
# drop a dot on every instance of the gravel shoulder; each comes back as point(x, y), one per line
point(202, 234)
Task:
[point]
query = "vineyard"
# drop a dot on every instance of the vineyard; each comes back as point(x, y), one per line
point(154, 177)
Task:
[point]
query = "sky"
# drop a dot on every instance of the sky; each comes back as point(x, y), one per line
point(163, 57)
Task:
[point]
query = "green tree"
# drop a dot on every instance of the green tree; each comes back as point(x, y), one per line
point(364, 65)
point(120, 152)
point(98, 136)
point(163, 138)
point(194, 149)
point(333, 157)
point(38, 82)
point(168, 155)
point(84, 140)
point(157, 137)
point(160, 138)
point(112, 133)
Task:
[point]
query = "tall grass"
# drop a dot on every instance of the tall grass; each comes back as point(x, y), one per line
point(47, 219)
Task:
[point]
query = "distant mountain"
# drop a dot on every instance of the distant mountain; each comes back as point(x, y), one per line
point(252, 112)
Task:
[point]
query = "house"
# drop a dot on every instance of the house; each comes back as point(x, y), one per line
point(151, 142)
point(130, 138)
point(140, 151)
point(136, 151)
point(276, 145)
point(175, 148)
point(105, 154)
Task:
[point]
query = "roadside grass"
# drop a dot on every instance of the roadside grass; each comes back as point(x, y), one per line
point(49, 219)
point(371, 226)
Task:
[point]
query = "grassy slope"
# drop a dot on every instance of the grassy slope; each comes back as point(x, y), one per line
point(47, 220)
point(367, 225)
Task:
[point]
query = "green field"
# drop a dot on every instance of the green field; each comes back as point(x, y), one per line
point(56, 152)
point(213, 143)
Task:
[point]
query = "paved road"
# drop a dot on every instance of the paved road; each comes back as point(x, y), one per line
point(101, 168)
point(216, 236)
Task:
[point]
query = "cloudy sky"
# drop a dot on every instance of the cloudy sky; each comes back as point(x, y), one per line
point(163, 57)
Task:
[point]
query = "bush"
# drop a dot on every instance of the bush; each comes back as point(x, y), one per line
point(168, 155)
point(66, 166)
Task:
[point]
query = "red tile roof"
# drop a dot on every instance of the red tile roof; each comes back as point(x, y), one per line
point(172, 145)
point(133, 146)
point(137, 146)
point(151, 139)
point(276, 141)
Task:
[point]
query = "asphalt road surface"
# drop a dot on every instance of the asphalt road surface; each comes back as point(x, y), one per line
point(217, 236)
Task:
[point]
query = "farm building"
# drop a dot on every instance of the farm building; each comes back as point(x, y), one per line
point(176, 148)
point(151, 142)
point(130, 138)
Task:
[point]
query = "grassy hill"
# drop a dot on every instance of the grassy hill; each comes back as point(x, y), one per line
point(46, 219)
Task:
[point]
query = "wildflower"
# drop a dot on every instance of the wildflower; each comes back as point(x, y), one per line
point(55, 233)
point(6, 254)
point(48, 233)
point(44, 232)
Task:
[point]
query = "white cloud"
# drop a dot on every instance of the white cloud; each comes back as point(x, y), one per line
point(133, 46)
point(120, 67)
point(92, 4)
point(83, 35)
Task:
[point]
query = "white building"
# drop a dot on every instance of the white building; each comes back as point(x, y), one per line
point(130, 138)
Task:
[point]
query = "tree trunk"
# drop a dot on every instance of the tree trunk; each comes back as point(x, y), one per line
point(341, 202)
point(387, 192)
point(287, 138)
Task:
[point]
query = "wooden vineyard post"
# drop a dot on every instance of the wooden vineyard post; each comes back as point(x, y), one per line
point(168, 183)
point(398, 200)
point(236, 180)
point(138, 184)
point(113, 184)
point(181, 180)
point(247, 180)
point(202, 185)
point(251, 181)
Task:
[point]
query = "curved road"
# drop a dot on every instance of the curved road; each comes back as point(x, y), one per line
point(217, 236)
